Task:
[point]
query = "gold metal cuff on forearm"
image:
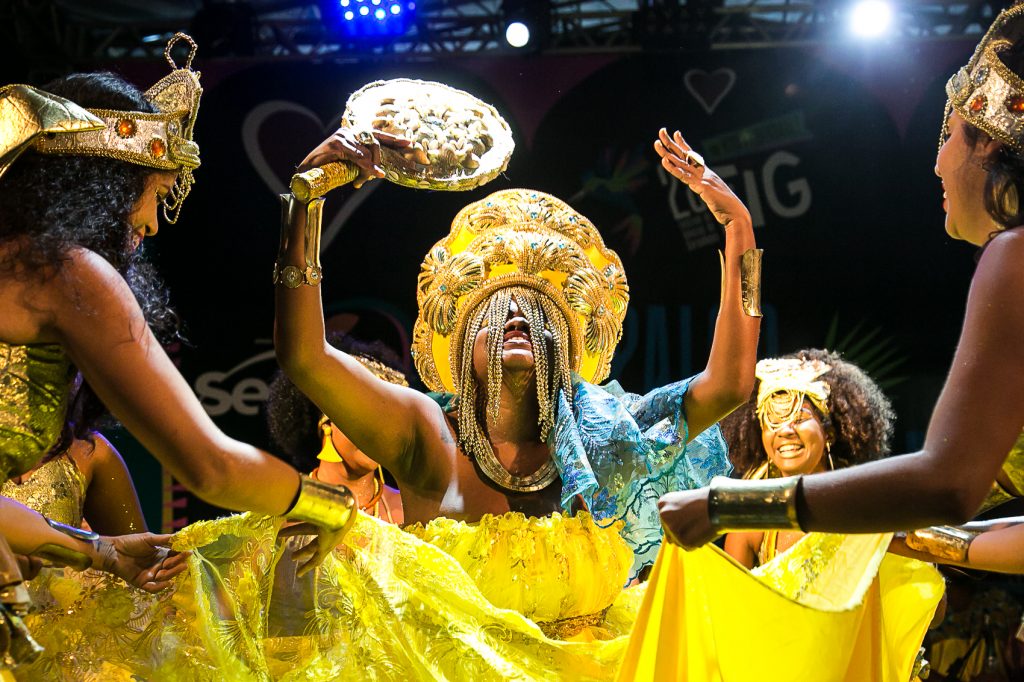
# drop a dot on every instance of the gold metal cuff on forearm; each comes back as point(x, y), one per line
point(943, 542)
point(329, 506)
point(750, 281)
point(310, 273)
point(735, 505)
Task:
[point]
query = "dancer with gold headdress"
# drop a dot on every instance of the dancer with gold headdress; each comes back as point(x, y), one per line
point(79, 190)
point(974, 437)
point(514, 565)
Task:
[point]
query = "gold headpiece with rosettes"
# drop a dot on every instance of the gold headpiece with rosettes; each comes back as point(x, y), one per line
point(986, 93)
point(33, 119)
point(520, 237)
point(532, 247)
point(784, 384)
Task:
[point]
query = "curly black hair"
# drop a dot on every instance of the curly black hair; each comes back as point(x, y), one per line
point(860, 419)
point(292, 417)
point(53, 204)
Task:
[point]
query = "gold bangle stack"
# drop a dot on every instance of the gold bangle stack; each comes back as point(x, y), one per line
point(943, 542)
point(292, 209)
point(329, 506)
point(735, 505)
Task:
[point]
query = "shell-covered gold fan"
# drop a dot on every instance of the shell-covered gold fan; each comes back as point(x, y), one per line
point(457, 141)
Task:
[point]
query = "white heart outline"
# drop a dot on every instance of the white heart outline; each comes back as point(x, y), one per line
point(709, 108)
point(250, 140)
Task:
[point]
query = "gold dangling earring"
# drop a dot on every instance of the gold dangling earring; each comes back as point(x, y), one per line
point(828, 449)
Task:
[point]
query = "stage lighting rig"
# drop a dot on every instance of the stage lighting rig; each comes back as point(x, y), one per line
point(368, 19)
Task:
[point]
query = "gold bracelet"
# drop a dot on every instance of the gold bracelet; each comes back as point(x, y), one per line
point(330, 506)
point(750, 281)
point(943, 542)
point(291, 210)
point(735, 505)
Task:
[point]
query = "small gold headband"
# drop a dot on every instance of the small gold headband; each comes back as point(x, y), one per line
point(784, 385)
point(382, 371)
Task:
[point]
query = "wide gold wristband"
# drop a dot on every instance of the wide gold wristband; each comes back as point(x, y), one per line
point(750, 281)
point(735, 505)
point(310, 274)
point(943, 542)
point(329, 506)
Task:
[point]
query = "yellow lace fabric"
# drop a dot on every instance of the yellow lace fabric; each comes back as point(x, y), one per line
point(56, 490)
point(541, 567)
point(34, 386)
point(705, 617)
point(384, 606)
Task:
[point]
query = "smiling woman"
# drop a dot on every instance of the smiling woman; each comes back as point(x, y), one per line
point(812, 412)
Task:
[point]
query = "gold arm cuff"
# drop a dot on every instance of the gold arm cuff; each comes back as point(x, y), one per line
point(329, 506)
point(311, 274)
point(735, 505)
point(319, 181)
point(944, 542)
point(750, 281)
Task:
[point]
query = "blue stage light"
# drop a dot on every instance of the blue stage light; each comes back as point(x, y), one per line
point(369, 20)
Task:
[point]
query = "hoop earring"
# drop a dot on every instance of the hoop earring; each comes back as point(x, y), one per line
point(828, 450)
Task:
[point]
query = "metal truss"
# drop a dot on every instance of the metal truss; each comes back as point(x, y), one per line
point(76, 33)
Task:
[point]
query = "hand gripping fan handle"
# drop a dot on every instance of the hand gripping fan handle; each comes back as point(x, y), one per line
point(319, 181)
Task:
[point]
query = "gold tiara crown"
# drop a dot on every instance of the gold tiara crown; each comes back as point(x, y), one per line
point(32, 118)
point(519, 238)
point(986, 93)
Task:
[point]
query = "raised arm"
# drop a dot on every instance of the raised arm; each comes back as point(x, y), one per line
point(728, 378)
point(111, 503)
point(978, 417)
point(381, 419)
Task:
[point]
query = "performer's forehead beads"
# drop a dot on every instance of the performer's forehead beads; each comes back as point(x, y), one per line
point(33, 119)
point(535, 249)
point(784, 385)
point(986, 93)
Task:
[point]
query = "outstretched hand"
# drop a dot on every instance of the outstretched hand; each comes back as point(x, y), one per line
point(142, 559)
point(359, 149)
point(684, 517)
point(679, 159)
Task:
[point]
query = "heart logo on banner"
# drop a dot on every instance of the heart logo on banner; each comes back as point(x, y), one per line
point(709, 89)
point(278, 133)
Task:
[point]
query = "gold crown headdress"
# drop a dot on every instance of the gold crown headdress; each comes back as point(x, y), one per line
point(784, 385)
point(986, 93)
point(535, 248)
point(32, 118)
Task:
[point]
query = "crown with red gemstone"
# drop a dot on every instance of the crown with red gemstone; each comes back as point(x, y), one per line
point(986, 93)
point(161, 140)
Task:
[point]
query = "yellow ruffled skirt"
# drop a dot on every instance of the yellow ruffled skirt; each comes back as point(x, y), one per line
point(449, 601)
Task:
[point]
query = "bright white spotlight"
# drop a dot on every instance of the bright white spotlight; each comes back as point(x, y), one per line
point(870, 18)
point(349, 16)
point(517, 34)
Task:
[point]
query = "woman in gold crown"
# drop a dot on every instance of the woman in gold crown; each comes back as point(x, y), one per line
point(974, 437)
point(528, 490)
point(79, 190)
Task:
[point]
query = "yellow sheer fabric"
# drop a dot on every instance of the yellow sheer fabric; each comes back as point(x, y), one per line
point(388, 605)
point(831, 609)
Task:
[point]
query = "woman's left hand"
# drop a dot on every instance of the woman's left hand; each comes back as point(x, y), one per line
point(684, 516)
